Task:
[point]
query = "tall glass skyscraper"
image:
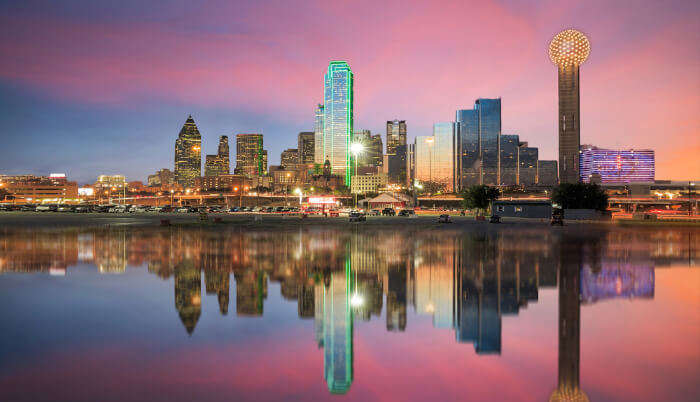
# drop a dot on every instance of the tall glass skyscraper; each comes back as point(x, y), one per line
point(396, 151)
point(318, 136)
point(480, 133)
point(188, 154)
point(338, 118)
point(435, 157)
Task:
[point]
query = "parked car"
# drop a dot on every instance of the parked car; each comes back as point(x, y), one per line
point(406, 212)
point(495, 219)
point(444, 218)
point(388, 212)
point(43, 208)
point(118, 209)
point(357, 216)
point(375, 212)
point(81, 208)
point(138, 209)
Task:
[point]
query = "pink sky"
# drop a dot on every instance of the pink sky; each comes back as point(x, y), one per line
point(418, 61)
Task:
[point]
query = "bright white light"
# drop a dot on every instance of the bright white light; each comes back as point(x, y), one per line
point(297, 190)
point(356, 300)
point(356, 148)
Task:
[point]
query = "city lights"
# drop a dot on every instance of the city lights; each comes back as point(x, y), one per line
point(569, 47)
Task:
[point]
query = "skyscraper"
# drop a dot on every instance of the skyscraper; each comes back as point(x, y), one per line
point(290, 158)
point(318, 135)
point(527, 165)
point(435, 157)
point(480, 133)
point(251, 158)
point(370, 159)
point(338, 118)
point(188, 154)
point(216, 165)
point(509, 159)
point(568, 50)
point(396, 151)
point(306, 146)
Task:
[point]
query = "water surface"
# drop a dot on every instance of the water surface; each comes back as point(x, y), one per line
point(485, 314)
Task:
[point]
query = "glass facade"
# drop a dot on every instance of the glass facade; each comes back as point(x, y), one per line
point(509, 159)
point(435, 157)
point(338, 118)
point(396, 151)
point(251, 158)
point(318, 135)
point(527, 165)
point(479, 133)
point(617, 166)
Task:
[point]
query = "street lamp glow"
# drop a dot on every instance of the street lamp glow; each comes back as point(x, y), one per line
point(356, 300)
point(297, 190)
point(356, 148)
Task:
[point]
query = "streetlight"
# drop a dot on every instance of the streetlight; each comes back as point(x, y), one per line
point(356, 148)
point(299, 193)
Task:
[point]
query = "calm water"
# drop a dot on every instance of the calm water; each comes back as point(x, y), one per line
point(509, 314)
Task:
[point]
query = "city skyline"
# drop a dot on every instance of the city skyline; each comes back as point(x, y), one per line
point(89, 127)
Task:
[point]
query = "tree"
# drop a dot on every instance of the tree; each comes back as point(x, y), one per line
point(479, 197)
point(580, 196)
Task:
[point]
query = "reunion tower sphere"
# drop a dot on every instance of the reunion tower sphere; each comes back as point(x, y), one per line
point(569, 47)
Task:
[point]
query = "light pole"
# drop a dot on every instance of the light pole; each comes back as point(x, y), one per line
point(356, 149)
point(300, 193)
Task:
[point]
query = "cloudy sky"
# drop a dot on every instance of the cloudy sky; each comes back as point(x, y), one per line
point(91, 88)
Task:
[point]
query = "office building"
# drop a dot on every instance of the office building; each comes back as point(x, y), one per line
point(509, 159)
point(616, 165)
point(306, 146)
point(338, 118)
point(218, 164)
point(410, 165)
point(338, 332)
point(188, 154)
point(368, 183)
point(290, 158)
point(163, 177)
point(36, 189)
point(435, 157)
point(396, 151)
point(547, 173)
point(480, 132)
point(527, 165)
point(318, 135)
point(251, 158)
point(370, 159)
point(568, 50)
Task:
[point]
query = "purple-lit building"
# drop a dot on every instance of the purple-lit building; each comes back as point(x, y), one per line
point(616, 165)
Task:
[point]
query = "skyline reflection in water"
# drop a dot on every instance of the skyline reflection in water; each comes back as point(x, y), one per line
point(342, 282)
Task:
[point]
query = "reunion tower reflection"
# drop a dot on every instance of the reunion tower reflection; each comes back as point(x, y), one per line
point(571, 255)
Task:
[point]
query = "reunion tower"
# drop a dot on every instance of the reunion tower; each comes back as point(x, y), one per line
point(568, 50)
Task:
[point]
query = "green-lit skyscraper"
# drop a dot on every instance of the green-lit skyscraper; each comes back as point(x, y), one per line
point(338, 118)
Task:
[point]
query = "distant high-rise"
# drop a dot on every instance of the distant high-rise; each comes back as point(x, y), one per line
point(251, 158)
point(338, 332)
point(617, 165)
point(318, 135)
point(188, 154)
point(371, 157)
point(338, 118)
point(290, 158)
point(396, 151)
point(216, 165)
point(568, 50)
point(480, 133)
point(306, 146)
